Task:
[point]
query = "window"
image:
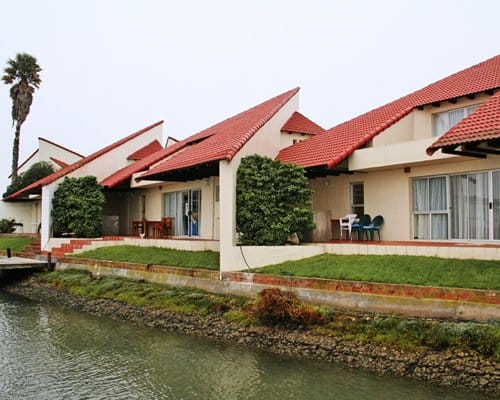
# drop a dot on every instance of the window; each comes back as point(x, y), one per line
point(444, 121)
point(430, 214)
point(185, 210)
point(357, 198)
point(462, 206)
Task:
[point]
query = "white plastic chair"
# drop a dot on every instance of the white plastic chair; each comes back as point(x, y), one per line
point(346, 224)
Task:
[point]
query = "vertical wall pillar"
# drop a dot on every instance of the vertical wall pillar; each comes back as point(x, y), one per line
point(46, 218)
point(227, 213)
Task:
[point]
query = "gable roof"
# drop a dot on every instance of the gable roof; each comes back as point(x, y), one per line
point(61, 147)
point(337, 143)
point(37, 150)
point(301, 124)
point(482, 125)
point(126, 173)
point(36, 186)
point(147, 150)
point(223, 140)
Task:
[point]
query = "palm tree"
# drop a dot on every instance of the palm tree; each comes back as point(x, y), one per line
point(23, 74)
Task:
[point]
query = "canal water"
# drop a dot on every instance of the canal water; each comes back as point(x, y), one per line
point(47, 352)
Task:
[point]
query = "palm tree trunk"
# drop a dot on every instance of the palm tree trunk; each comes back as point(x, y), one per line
point(15, 152)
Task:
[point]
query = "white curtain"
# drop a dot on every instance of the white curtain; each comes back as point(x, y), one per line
point(439, 221)
point(420, 195)
point(478, 205)
point(440, 123)
point(421, 226)
point(458, 200)
point(455, 117)
point(496, 205)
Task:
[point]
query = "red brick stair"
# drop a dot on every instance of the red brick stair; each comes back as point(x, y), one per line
point(68, 248)
point(75, 244)
point(32, 250)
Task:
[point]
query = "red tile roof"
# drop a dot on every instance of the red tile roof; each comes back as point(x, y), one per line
point(141, 165)
point(337, 143)
point(301, 124)
point(483, 124)
point(223, 140)
point(61, 164)
point(36, 186)
point(146, 151)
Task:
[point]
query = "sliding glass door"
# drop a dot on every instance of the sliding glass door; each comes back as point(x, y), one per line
point(495, 202)
point(430, 214)
point(469, 208)
point(463, 206)
point(184, 208)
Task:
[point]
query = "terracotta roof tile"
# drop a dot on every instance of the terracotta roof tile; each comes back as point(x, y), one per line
point(483, 124)
point(61, 164)
point(225, 139)
point(146, 151)
point(301, 124)
point(337, 143)
point(36, 186)
point(141, 165)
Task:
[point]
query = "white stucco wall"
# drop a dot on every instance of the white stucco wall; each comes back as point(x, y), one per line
point(404, 143)
point(208, 217)
point(25, 212)
point(388, 192)
point(101, 167)
point(46, 228)
point(116, 158)
point(287, 138)
point(45, 151)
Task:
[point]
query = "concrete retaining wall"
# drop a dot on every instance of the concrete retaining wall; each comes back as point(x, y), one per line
point(249, 285)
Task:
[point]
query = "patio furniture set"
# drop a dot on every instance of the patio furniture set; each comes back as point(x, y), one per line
point(154, 229)
point(361, 226)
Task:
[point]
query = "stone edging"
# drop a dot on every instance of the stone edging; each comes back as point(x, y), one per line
point(384, 289)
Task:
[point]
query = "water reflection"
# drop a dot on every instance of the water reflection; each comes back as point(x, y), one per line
point(50, 353)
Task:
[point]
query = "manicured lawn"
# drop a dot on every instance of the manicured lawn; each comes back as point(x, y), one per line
point(155, 255)
point(429, 271)
point(16, 244)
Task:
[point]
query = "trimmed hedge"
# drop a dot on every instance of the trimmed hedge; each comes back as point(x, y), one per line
point(273, 201)
point(77, 207)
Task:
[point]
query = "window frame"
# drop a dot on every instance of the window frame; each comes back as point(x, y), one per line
point(466, 111)
point(354, 206)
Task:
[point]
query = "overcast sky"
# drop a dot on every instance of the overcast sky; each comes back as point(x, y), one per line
point(111, 67)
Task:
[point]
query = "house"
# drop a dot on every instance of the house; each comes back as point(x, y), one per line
point(100, 164)
point(429, 162)
point(189, 180)
point(26, 211)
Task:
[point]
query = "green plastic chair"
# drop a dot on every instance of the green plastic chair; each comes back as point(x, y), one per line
point(374, 227)
point(357, 227)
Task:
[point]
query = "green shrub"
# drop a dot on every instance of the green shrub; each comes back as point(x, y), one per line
point(77, 207)
point(276, 307)
point(7, 225)
point(273, 201)
point(36, 172)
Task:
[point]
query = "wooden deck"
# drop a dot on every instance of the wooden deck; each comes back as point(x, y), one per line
point(10, 263)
